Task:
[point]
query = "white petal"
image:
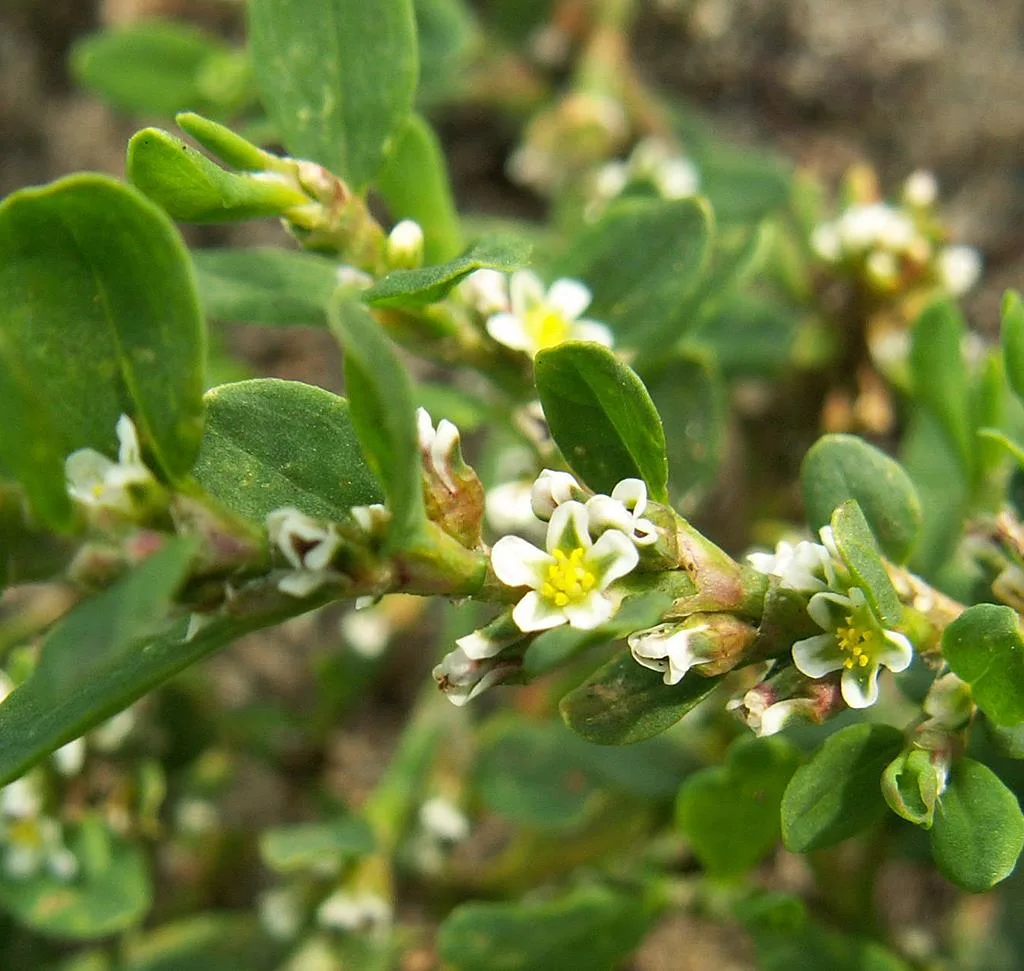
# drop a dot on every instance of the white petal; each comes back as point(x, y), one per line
point(424, 429)
point(517, 563)
point(644, 532)
point(86, 471)
point(301, 583)
point(632, 493)
point(860, 686)
point(818, 656)
point(612, 557)
point(446, 441)
point(569, 528)
point(604, 512)
point(525, 292)
point(477, 647)
point(508, 329)
point(129, 452)
point(591, 612)
point(897, 653)
point(655, 664)
point(775, 717)
point(819, 609)
point(550, 490)
point(591, 330)
point(569, 297)
point(533, 612)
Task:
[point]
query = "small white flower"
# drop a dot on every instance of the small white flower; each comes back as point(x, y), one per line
point(196, 816)
point(671, 649)
point(69, 759)
point(804, 567)
point(347, 911)
point(21, 799)
point(443, 820)
point(280, 912)
point(959, 269)
point(462, 678)
point(623, 510)
point(372, 519)
point(552, 488)
point(405, 245)
point(539, 320)
point(864, 227)
point(921, 189)
point(438, 447)
point(610, 180)
point(677, 178)
point(367, 631)
point(769, 719)
point(827, 243)
point(307, 545)
point(486, 291)
point(94, 480)
point(855, 643)
point(31, 844)
point(570, 580)
point(882, 268)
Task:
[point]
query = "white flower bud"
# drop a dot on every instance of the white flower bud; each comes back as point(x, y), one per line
point(959, 269)
point(405, 246)
point(551, 489)
point(921, 189)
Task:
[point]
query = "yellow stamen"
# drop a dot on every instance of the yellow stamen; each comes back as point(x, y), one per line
point(567, 579)
point(546, 327)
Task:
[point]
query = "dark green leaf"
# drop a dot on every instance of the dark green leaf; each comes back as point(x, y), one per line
point(641, 261)
point(112, 892)
point(859, 551)
point(194, 189)
point(841, 467)
point(223, 143)
point(272, 443)
point(837, 793)
point(380, 393)
point(750, 336)
point(743, 186)
point(590, 927)
point(1012, 338)
point(984, 647)
point(337, 78)
point(414, 183)
point(601, 417)
point(417, 288)
point(157, 68)
point(265, 285)
point(940, 377)
point(689, 394)
point(730, 813)
point(98, 309)
point(623, 702)
point(979, 829)
point(211, 942)
point(313, 846)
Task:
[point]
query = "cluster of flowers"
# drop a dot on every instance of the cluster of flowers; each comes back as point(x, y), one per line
point(892, 246)
point(854, 640)
point(652, 165)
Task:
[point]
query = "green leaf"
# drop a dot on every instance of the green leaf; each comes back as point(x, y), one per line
point(448, 37)
point(940, 377)
point(66, 693)
point(192, 188)
point(1012, 338)
point(641, 261)
point(267, 285)
point(842, 467)
point(98, 310)
point(984, 647)
point(591, 925)
point(111, 893)
point(623, 702)
point(380, 393)
point(979, 829)
point(601, 417)
point(223, 143)
point(730, 813)
point(210, 942)
point(528, 774)
point(337, 77)
point(689, 394)
point(859, 551)
point(159, 67)
point(272, 443)
point(414, 289)
point(742, 186)
point(414, 183)
point(837, 793)
point(750, 336)
point(313, 846)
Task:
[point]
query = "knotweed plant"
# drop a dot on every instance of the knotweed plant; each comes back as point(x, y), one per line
point(550, 500)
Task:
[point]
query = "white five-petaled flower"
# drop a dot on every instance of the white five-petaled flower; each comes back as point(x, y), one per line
point(538, 320)
point(855, 643)
point(570, 580)
point(804, 567)
point(623, 510)
point(307, 545)
point(671, 649)
point(95, 480)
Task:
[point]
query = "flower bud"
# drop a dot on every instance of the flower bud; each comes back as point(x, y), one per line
point(913, 782)
point(551, 489)
point(405, 246)
point(788, 697)
point(452, 491)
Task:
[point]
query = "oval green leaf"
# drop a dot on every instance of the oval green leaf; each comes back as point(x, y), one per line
point(978, 832)
point(602, 417)
point(842, 467)
point(859, 551)
point(837, 793)
point(272, 443)
point(313, 846)
point(984, 646)
point(337, 78)
point(98, 308)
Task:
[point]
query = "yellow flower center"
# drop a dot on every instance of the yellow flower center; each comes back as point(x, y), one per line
point(546, 327)
point(567, 580)
point(856, 643)
point(25, 833)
